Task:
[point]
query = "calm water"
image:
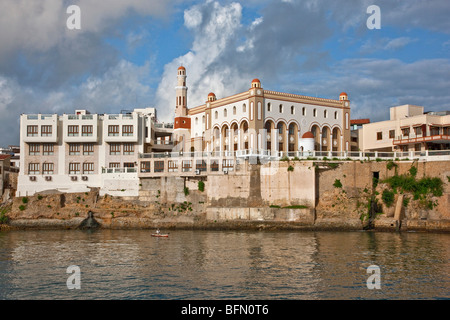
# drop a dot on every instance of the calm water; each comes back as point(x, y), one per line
point(117, 264)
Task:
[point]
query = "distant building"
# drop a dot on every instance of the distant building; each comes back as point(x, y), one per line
point(409, 129)
point(356, 133)
point(14, 151)
point(4, 172)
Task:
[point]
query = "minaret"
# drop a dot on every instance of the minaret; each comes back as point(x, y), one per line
point(182, 124)
point(181, 93)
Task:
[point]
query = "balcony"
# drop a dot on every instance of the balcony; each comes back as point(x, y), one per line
point(114, 126)
point(39, 128)
point(80, 128)
point(412, 139)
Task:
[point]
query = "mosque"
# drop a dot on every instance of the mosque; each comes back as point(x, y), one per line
point(259, 121)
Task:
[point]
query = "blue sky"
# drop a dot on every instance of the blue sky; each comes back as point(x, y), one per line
point(127, 52)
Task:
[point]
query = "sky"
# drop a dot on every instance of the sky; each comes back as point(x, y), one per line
point(127, 52)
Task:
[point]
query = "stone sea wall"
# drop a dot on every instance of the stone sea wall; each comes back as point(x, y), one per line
point(308, 195)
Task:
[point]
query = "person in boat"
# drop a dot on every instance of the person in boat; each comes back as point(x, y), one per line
point(157, 231)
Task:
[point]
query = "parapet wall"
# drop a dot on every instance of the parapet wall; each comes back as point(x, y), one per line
point(295, 193)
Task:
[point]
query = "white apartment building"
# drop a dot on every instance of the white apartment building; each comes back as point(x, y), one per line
point(76, 152)
point(409, 129)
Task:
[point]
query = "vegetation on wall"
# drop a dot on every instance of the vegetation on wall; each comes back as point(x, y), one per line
point(337, 183)
point(422, 189)
point(3, 217)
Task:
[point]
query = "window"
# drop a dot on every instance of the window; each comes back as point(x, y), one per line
point(269, 107)
point(303, 111)
point(128, 148)
point(33, 168)
point(88, 149)
point(114, 149)
point(292, 110)
point(314, 113)
point(234, 110)
point(73, 131)
point(48, 149)
point(225, 112)
point(114, 165)
point(280, 108)
point(325, 114)
point(244, 108)
point(128, 164)
point(203, 119)
point(418, 131)
point(335, 115)
point(47, 168)
point(434, 131)
point(216, 115)
point(46, 131)
point(32, 131)
point(196, 120)
point(34, 149)
point(145, 166)
point(214, 165)
point(87, 131)
point(127, 130)
point(113, 130)
point(74, 168)
point(74, 149)
point(391, 134)
point(88, 168)
point(159, 166)
point(186, 165)
point(379, 135)
point(405, 131)
point(172, 165)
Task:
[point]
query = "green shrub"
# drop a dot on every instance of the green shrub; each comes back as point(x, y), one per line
point(3, 216)
point(290, 168)
point(333, 165)
point(39, 197)
point(22, 207)
point(405, 201)
point(186, 191)
point(25, 200)
point(201, 186)
point(337, 183)
point(391, 164)
point(413, 171)
point(388, 197)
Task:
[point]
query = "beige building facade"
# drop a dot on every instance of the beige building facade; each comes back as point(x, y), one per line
point(260, 121)
point(408, 129)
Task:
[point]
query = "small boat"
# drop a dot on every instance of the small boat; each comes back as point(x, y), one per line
point(160, 235)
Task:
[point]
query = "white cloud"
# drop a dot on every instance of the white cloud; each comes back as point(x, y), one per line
point(40, 25)
point(398, 43)
point(214, 27)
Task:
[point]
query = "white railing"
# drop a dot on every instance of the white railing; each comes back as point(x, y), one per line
point(119, 170)
point(307, 155)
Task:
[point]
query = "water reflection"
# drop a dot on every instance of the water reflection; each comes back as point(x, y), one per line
point(117, 264)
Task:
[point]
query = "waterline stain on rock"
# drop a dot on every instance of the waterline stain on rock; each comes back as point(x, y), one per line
point(89, 222)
